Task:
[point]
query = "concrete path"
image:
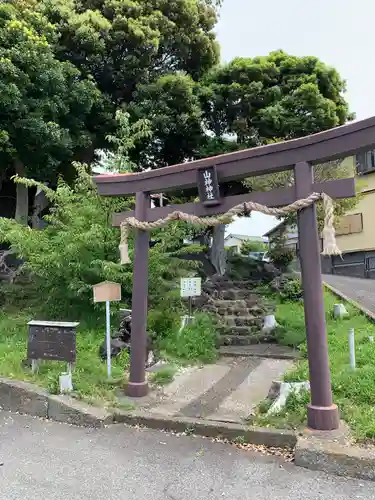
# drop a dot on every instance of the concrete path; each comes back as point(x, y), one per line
point(228, 390)
point(48, 460)
point(357, 289)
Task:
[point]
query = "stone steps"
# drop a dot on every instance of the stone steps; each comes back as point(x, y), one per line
point(241, 320)
point(239, 330)
point(227, 285)
point(238, 294)
point(248, 320)
point(239, 309)
point(240, 340)
point(220, 303)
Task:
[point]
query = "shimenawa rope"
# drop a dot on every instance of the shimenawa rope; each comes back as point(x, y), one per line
point(329, 238)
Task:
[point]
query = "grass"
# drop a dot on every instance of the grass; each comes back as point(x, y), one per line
point(90, 373)
point(164, 376)
point(353, 391)
point(196, 344)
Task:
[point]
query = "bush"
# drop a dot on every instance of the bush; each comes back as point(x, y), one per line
point(253, 246)
point(242, 268)
point(166, 319)
point(281, 257)
point(292, 290)
point(196, 343)
point(79, 248)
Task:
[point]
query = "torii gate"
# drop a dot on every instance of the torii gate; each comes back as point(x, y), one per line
point(298, 155)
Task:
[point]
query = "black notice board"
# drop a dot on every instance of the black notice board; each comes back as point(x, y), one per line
point(52, 341)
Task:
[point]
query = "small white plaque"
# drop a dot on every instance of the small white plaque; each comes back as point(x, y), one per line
point(191, 287)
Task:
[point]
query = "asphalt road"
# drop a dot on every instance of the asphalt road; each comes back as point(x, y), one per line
point(49, 460)
point(358, 289)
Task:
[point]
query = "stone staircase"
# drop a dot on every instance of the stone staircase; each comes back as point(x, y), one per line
point(239, 310)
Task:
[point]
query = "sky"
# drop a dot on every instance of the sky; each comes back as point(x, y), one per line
point(339, 32)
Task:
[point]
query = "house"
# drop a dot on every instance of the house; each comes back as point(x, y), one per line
point(235, 241)
point(355, 232)
point(288, 231)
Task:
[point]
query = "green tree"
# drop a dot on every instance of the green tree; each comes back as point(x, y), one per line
point(173, 111)
point(145, 55)
point(270, 99)
point(275, 97)
point(44, 103)
point(253, 246)
point(79, 248)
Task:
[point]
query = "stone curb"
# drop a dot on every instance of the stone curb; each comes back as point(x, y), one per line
point(335, 458)
point(340, 295)
point(238, 354)
point(315, 454)
point(24, 397)
point(210, 429)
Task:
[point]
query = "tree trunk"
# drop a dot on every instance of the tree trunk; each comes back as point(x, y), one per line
point(218, 256)
point(40, 203)
point(22, 204)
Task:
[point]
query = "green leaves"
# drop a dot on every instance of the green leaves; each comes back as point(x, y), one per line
point(174, 114)
point(44, 103)
point(278, 95)
point(79, 248)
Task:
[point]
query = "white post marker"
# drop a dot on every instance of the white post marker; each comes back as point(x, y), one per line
point(107, 292)
point(352, 349)
point(108, 335)
point(190, 287)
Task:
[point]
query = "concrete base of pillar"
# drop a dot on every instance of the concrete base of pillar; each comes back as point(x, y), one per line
point(323, 418)
point(136, 390)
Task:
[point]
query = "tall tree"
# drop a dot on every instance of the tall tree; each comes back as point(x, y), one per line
point(270, 99)
point(278, 96)
point(134, 48)
point(172, 107)
point(44, 103)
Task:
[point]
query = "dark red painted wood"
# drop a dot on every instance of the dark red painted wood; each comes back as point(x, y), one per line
point(298, 155)
point(340, 188)
point(137, 385)
point(322, 413)
point(339, 142)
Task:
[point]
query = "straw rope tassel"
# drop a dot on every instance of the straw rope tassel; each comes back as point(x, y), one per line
point(124, 247)
point(329, 238)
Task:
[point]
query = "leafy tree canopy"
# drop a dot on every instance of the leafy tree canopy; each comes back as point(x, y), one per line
point(44, 103)
point(126, 43)
point(173, 109)
point(278, 96)
point(141, 54)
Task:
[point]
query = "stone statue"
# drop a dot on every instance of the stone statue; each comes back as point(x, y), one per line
point(121, 341)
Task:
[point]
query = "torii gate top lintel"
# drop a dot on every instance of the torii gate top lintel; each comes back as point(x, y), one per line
point(338, 142)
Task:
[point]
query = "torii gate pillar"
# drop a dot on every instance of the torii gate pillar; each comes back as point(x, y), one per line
point(321, 412)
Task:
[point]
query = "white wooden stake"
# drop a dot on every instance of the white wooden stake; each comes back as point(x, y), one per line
point(108, 336)
point(352, 348)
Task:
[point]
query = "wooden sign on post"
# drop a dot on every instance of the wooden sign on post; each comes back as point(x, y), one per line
point(107, 292)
